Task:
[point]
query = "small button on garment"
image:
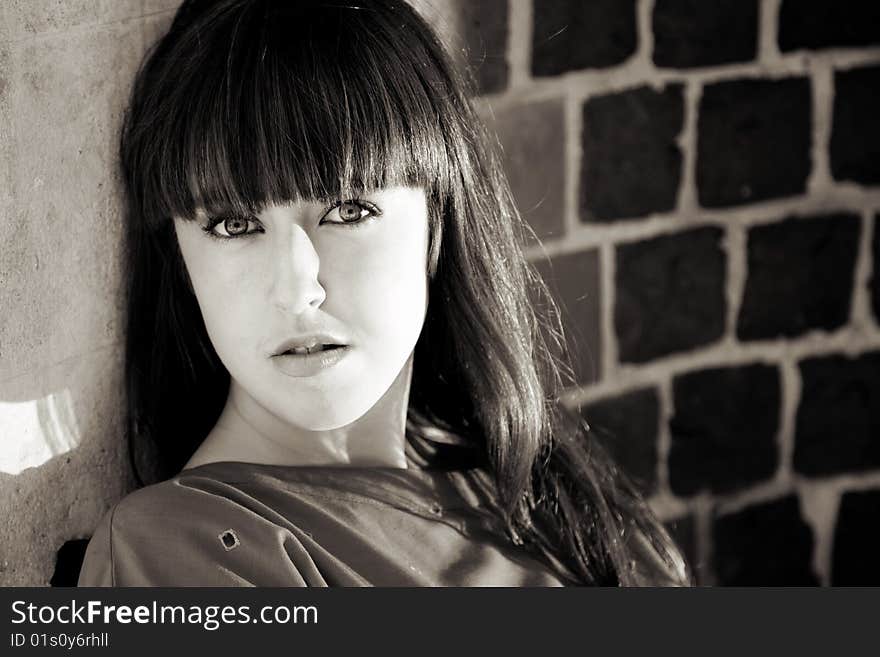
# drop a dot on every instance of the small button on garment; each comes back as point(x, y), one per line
point(436, 509)
point(229, 540)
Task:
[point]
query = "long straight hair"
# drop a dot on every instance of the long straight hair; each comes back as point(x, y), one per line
point(245, 103)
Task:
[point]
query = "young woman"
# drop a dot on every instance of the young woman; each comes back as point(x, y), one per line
point(336, 350)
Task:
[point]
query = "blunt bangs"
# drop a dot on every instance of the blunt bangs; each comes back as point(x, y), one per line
point(305, 100)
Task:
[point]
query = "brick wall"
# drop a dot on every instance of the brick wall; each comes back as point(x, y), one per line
point(703, 178)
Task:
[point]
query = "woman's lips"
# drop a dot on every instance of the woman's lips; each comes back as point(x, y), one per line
point(301, 351)
point(304, 365)
point(309, 341)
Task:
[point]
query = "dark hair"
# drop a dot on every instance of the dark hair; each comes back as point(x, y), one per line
point(249, 102)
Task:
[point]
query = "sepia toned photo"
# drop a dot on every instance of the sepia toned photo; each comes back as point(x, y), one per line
point(439, 293)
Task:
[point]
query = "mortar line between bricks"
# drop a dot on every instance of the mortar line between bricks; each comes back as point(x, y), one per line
point(845, 341)
point(519, 43)
point(736, 255)
point(763, 493)
point(844, 482)
point(644, 33)
point(667, 507)
point(819, 506)
point(770, 490)
point(573, 125)
point(768, 27)
point(843, 197)
point(608, 338)
point(590, 83)
point(687, 141)
point(790, 390)
point(860, 312)
point(664, 436)
point(822, 98)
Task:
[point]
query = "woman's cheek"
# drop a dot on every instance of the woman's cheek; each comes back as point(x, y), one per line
point(228, 310)
point(393, 297)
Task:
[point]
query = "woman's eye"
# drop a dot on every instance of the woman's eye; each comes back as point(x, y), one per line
point(229, 227)
point(350, 212)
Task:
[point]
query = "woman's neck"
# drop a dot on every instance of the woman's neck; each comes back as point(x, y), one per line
point(248, 432)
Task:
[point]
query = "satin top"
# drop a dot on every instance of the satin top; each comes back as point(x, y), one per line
point(245, 524)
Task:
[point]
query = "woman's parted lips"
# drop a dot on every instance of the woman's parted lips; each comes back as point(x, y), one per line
point(309, 341)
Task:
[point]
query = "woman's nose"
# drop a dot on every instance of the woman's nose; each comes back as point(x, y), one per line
point(295, 285)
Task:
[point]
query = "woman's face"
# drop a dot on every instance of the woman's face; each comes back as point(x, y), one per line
point(349, 273)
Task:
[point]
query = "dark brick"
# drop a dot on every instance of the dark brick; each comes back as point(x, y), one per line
point(815, 24)
point(573, 280)
point(800, 276)
point(69, 562)
point(628, 426)
point(724, 428)
point(533, 137)
point(573, 34)
point(484, 28)
point(855, 133)
point(669, 294)
point(631, 159)
point(690, 33)
point(838, 421)
point(857, 540)
point(875, 276)
point(753, 141)
point(684, 532)
point(764, 545)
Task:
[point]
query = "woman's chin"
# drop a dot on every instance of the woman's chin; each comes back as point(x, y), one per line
point(328, 413)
